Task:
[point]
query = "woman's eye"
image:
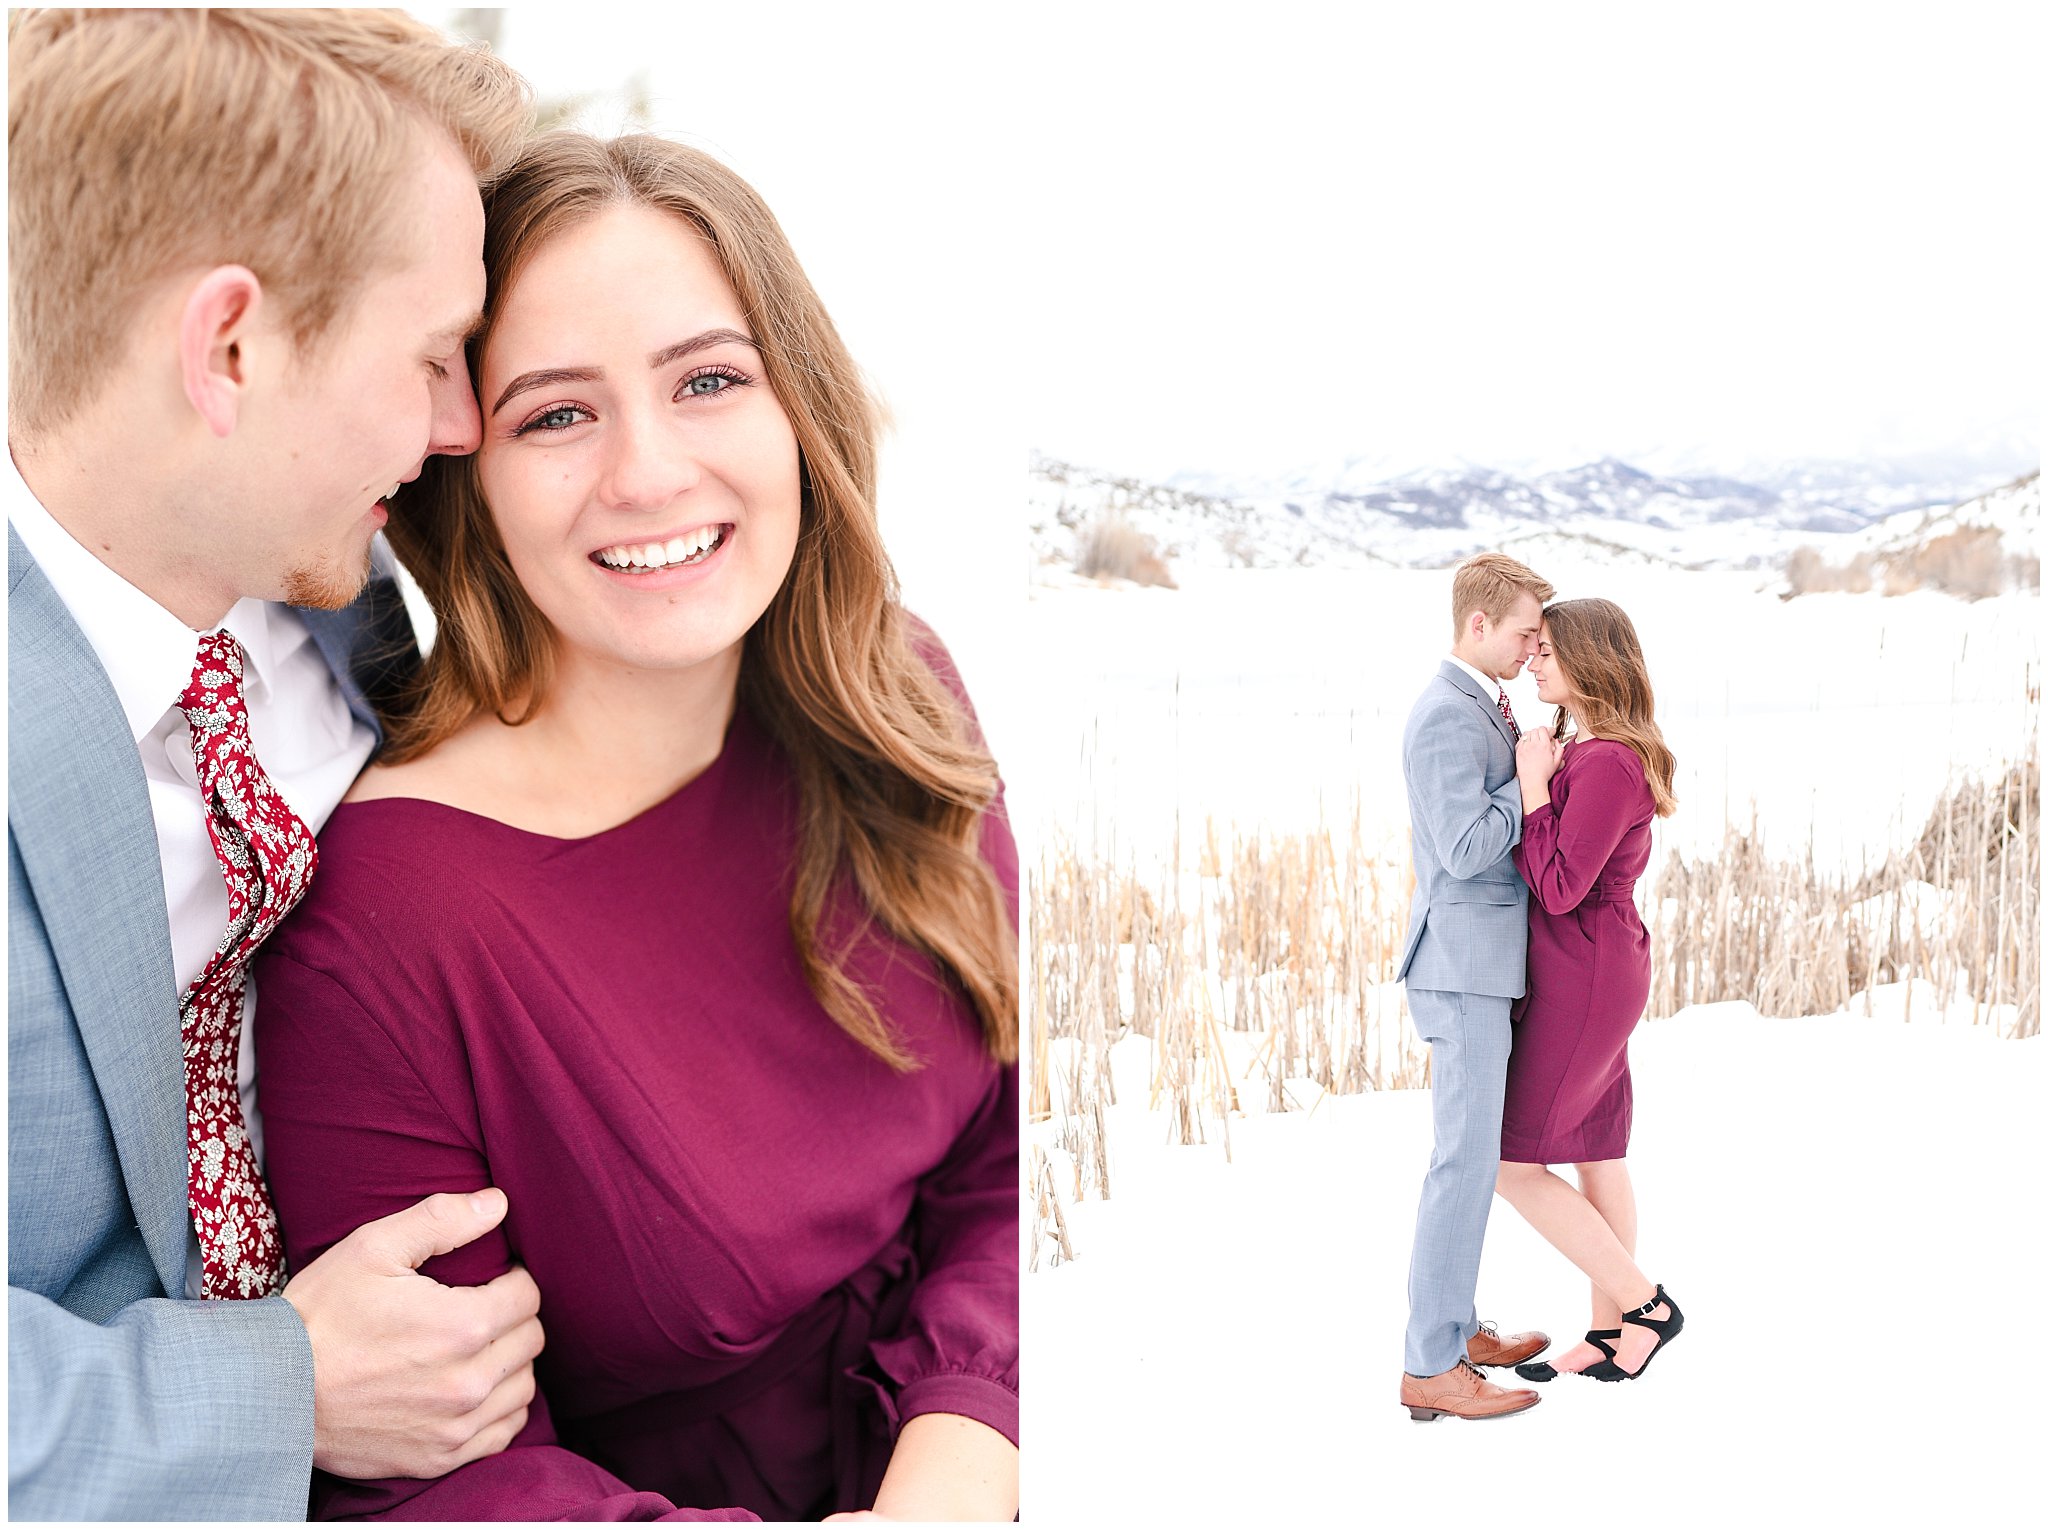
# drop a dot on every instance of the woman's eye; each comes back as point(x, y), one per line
point(561, 417)
point(704, 384)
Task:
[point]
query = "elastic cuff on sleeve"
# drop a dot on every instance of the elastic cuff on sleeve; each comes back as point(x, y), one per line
point(976, 1397)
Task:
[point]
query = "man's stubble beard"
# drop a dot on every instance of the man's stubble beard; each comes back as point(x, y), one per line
point(325, 585)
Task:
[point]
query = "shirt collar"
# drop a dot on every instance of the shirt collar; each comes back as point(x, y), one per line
point(1487, 683)
point(146, 651)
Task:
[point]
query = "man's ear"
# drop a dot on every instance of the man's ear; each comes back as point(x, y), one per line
point(216, 322)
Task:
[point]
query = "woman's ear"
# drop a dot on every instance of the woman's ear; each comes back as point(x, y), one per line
point(213, 326)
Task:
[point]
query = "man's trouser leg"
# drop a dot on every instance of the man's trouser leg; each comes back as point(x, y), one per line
point(1468, 1036)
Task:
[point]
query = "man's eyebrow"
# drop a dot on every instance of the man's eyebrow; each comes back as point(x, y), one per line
point(460, 333)
point(526, 381)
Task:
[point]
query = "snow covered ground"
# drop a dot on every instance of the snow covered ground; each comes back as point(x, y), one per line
point(1846, 1205)
point(1274, 696)
point(1848, 1209)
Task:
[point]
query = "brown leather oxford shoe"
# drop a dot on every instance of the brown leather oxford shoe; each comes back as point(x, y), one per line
point(1490, 1347)
point(1461, 1392)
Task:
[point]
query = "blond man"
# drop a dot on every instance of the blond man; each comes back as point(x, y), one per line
point(245, 252)
point(1464, 963)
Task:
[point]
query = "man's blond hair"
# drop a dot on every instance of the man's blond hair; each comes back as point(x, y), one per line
point(144, 144)
point(1492, 582)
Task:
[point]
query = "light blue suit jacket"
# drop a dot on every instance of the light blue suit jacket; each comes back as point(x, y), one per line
point(124, 1400)
point(1468, 928)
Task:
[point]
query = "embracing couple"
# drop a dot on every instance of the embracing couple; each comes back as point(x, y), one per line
point(1527, 967)
point(653, 976)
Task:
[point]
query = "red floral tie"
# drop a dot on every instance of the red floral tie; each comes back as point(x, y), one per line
point(1508, 712)
point(267, 855)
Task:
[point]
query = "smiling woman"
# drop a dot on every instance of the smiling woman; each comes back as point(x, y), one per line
point(682, 907)
point(660, 432)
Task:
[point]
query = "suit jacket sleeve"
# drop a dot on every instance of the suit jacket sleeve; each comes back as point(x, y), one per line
point(169, 1410)
point(1470, 827)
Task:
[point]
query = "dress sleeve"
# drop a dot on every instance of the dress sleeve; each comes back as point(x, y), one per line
point(1563, 851)
point(958, 1350)
point(352, 1133)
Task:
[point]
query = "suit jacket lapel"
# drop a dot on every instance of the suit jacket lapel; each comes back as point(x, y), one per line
point(78, 807)
point(1470, 687)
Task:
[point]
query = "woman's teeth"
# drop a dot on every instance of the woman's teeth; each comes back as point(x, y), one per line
point(691, 547)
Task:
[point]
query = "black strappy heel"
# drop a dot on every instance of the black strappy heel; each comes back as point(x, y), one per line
point(1543, 1370)
point(1665, 1328)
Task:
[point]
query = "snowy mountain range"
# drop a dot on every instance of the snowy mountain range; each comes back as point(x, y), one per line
point(1344, 516)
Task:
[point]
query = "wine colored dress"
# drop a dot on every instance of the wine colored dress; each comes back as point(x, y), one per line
point(759, 1250)
point(1569, 1098)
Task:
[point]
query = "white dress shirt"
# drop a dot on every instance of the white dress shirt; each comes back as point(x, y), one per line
point(304, 735)
point(1487, 682)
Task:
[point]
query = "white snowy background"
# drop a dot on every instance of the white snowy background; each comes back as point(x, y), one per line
point(1459, 258)
point(1839, 1201)
point(1268, 252)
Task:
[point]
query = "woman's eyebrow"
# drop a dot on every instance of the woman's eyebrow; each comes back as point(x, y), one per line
point(710, 337)
point(526, 381)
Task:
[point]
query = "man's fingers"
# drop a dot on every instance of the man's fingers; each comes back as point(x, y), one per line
point(489, 1442)
point(509, 1352)
point(498, 1421)
point(408, 1239)
point(506, 1302)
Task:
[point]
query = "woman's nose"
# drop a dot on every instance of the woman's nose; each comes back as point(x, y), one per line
point(651, 464)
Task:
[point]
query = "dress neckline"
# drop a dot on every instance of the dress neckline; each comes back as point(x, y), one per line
point(739, 730)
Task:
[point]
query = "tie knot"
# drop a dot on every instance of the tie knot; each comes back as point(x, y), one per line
point(216, 683)
point(212, 700)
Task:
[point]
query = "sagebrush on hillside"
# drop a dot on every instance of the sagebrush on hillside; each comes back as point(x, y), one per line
point(1110, 547)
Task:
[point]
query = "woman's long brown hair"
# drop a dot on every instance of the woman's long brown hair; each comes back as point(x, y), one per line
point(892, 775)
point(1595, 644)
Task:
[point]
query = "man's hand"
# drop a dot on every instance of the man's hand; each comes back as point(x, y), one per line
point(412, 1378)
point(1537, 756)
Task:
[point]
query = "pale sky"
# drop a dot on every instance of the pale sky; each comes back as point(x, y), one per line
point(1508, 232)
point(1163, 238)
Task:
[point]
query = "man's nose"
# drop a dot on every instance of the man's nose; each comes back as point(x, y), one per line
point(458, 423)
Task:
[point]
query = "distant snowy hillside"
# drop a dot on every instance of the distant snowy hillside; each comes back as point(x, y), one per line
point(1343, 516)
point(2013, 511)
point(1986, 546)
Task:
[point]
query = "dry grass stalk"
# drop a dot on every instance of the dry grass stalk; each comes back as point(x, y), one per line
point(1047, 1217)
point(1290, 941)
point(1958, 910)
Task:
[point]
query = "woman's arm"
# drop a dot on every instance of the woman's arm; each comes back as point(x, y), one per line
point(946, 1468)
point(954, 1366)
point(353, 1132)
point(1562, 853)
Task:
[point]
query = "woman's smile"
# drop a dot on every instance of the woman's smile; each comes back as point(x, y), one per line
point(687, 549)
